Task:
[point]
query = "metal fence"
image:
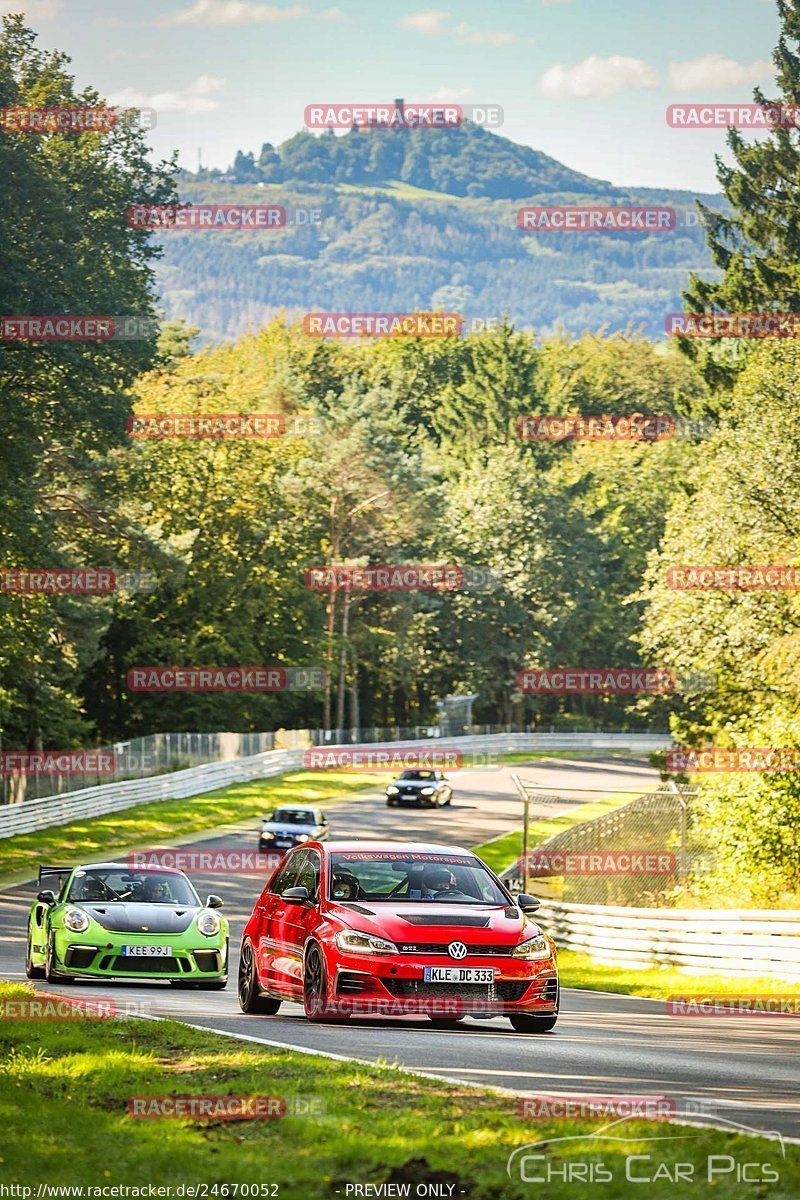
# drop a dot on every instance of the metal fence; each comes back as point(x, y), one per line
point(730, 941)
point(641, 853)
point(110, 797)
point(159, 753)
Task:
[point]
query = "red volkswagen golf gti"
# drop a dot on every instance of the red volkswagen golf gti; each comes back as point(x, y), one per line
point(355, 928)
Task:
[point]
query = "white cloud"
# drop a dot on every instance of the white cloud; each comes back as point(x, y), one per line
point(713, 71)
point(196, 98)
point(425, 22)
point(489, 39)
point(597, 77)
point(333, 14)
point(232, 12)
point(35, 10)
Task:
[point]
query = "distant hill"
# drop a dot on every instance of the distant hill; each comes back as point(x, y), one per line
point(420, 219)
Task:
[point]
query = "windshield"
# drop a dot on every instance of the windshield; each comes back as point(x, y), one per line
point(292, 816)
point(456, 878)
point(106, 885)
point(419, 776)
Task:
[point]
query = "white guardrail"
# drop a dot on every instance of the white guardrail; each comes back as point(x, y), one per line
point(177, 785)
point(729, 941)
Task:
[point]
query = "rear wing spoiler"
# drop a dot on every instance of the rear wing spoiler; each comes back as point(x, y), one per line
point(53, 878)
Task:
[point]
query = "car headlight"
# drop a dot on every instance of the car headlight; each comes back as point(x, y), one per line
point(533, 949)
point(267, 835)
point(392, 790)
point(363, 943)
point(428, 791)
point(208, 923)
point(76, 921)
point(303, 837)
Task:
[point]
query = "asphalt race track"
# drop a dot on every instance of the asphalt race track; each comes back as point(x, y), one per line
point(742, 1070)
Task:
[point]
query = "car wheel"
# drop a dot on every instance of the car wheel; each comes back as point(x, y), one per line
point(391, 804)
point(315, 989)
point(449, 799)
point(51, 974)
point(31, 971)
point(250, 1000)
point(527, 1023)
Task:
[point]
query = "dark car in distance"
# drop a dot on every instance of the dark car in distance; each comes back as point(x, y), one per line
point(290, 826)
point(427, 788)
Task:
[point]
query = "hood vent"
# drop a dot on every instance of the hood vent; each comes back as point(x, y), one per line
point(463, 919)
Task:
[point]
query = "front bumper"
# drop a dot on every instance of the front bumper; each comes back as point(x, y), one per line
point(396, 984)
point(101, 957)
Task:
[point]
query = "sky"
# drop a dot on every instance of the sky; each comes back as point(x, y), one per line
point(585, 81)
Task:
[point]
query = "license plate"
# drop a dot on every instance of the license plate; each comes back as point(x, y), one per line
point(283, 842)
point(147, 951)
point(459, 974)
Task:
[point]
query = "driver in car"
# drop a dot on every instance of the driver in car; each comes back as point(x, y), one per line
point(436, 880)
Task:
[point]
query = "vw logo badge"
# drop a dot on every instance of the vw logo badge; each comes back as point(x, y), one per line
point(457, 950)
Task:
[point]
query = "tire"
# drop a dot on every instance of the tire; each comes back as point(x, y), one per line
point(449, 799)
point(31, 971)
point(250, 1000)
point(527, 1023)
point(51, 974)
point(315, 989)
point(391, 804)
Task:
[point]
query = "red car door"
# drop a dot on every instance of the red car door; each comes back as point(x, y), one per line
point(270, 908)
point(291, 924)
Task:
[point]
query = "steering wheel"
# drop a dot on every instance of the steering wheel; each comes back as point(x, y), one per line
point(448, 893)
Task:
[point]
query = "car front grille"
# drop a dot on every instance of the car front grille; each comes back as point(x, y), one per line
point(434, 948)
point(80, 958)
point(504, 989)
point(124, 965)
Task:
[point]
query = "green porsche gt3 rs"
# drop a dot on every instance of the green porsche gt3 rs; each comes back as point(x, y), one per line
point(108, 920)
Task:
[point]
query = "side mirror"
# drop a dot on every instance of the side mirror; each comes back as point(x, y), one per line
point(528, 904)
point(323, 819)
point(214, 902)
point(47, 897)
point(296, 895)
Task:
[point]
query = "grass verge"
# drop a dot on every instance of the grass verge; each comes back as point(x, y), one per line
point(578, 970)
point(65, 1087)
point(161, 822)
